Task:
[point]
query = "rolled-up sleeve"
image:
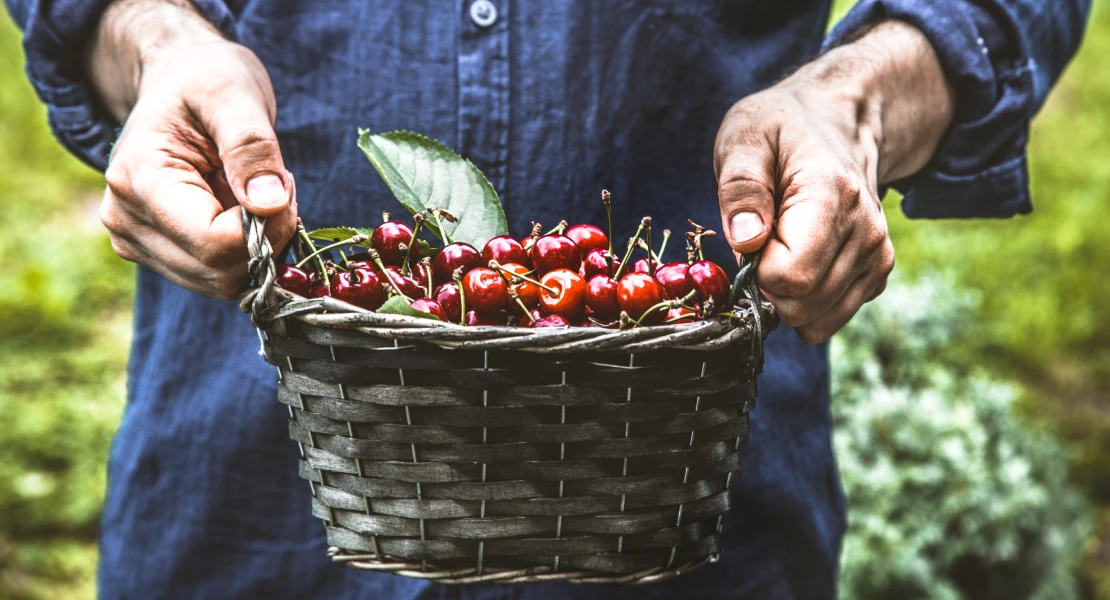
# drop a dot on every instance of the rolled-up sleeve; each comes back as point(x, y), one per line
point(55, 37)
point(1002, 57)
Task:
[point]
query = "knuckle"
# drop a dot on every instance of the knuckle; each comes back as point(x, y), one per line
point(110, 217)
point(799, 282)
point(257, 141)
point(118, 178)
point(216, 256)
point(122, 249)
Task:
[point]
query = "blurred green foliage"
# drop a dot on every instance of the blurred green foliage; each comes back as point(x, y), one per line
point(1043, 321)
point(64, 327)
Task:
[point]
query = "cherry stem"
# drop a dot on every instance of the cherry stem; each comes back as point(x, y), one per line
point(392, 284)
point(651, 258)
point(524, 308)
point(666, 304)
point(605, 199)
point(312, 247)
point(357, 239)
point(427, 265)
point(439, 225)
point(462, 299)
point(493, 264)
point(663, 246)
point(628, 252)
point(418, 221)
point(559, 229)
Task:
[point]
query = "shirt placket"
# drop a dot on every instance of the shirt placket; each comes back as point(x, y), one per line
point(483, 71)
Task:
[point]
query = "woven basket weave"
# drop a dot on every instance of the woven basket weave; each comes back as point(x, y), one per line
point(499, 454)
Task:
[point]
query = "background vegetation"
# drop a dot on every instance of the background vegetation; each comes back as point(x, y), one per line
point(1029, 305)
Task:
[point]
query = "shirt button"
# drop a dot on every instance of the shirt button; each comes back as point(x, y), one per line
point(483, 13)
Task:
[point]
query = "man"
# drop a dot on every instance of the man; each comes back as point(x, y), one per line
point(553, 100)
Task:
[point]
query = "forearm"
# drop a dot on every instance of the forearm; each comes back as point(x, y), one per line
point(131, 38)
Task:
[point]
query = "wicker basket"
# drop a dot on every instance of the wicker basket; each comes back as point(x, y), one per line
point(499, 454)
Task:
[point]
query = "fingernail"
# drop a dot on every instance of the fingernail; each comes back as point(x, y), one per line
point(745, 226)
point(267, 190)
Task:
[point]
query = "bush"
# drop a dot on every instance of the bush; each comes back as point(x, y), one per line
point(949, 494)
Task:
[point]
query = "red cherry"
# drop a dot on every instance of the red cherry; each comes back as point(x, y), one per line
point(388, 239)
point(409, 286)
point(555, 252)
point(548, 321)
point(429, 306)
point(527, 242)
point(672, 277)
point(641, 266)
point(486, 291)
point(528, 292)
point(595, 263)
point(294, 280)
point(569, 298)
point(680, 315)
point(710, 281)
point(601, 297)
point(455, 256)
point(319, 289)
point(450, 300)
point(360, 287)
point(421, 274)
point(587, 238)
point(504, 249)
point(638, 292)
point(474, 318)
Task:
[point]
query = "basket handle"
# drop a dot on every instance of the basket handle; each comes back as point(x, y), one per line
point(744, 285)
point(261, 267)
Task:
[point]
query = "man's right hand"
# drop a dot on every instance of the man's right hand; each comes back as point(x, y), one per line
point(197, 144)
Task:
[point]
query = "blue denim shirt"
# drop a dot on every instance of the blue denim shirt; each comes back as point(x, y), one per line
point(554, 100)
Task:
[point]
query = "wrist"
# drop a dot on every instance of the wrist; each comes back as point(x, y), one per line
point(892, 93)
point(132, 40)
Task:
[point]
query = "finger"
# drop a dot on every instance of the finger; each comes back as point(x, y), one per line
point(242, 126)
point(846, 268)
point(746, 189)
point(816, 218)
point(866, 288)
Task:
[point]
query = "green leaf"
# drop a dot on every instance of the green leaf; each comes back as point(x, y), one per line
point(337, 234)
point(422, 172)
point(398, 306)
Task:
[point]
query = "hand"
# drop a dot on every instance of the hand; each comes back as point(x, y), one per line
point(198, 144)
point(812, 151)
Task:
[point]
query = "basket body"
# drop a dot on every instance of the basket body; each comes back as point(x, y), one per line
point(500, 465)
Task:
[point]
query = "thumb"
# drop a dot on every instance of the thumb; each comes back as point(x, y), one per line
point(746, 191)
point(248, 147)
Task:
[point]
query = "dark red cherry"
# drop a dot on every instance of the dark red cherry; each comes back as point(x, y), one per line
point(319, 289)
point(528, 293)
point(595, 263)
point(455, 256)
point(421, 274)
point(587, 238)
point(360, 287)
point(409, 286)
point(641, 266)
point(710, 281)
point(680, 315)
point(555, 251)
point(527, 242)
point(639, 292)
point(388, 239)
point(672, 276)
point(568, 298)
point(429, 306)
point(449, 299)
point(601, 297)
point(504, 249)
point(292, 279)
point(548, 321)
point(486, 291)
point(474, 318)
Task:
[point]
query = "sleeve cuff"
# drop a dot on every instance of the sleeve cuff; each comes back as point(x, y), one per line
point(979, 169)
point(55, 37)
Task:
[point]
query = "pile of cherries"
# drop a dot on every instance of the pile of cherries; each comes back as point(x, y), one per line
point(569, 276)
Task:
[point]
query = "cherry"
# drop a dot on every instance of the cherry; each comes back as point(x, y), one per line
point(421, 273)
point(319, 289)
point(450, 300)
point(429, 306)
point(505, 250)
point(601, 297)
point(548, 321)
point(408, 286)
point(388, 239)
point(528, 293)
point(588, 238)
point(680, 315)
point(474, 318)
point(710, 281)
point(568, 298)
point(360, 287)
point(641, 266)
point(638, 292)
point(672, 276)
point(555, 251)
point(486, 291)
point(455, 256)
point(294, 280)
point(353, 264)
point(582, 320)
point(596, 263)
